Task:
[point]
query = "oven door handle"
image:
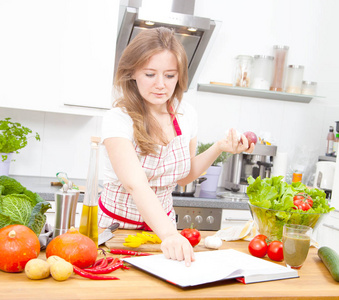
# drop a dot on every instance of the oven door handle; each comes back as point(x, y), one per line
point(236, 219)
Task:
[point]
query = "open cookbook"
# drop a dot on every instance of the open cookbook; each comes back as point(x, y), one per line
point(212, 266)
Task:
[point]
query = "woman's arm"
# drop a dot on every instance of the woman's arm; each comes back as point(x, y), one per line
point(130, 173)
point(201, 162)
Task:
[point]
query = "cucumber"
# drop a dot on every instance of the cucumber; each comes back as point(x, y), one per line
point(330, 259)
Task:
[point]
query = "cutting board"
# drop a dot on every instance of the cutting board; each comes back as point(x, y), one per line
point(119, 238)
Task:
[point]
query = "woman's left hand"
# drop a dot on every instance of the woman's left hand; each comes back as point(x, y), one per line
point(233, 144)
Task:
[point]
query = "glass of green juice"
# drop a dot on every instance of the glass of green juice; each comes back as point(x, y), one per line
point(296, 243)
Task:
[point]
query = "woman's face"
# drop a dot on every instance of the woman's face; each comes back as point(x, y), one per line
point(157, 79)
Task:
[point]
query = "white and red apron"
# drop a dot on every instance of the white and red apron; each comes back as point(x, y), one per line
point(163, 171)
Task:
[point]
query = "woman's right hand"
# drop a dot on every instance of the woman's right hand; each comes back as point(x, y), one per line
point(177, 247)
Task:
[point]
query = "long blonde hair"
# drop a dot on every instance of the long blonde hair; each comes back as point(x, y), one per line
point(146, 44)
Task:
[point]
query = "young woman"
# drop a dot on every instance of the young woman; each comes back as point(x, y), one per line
point(150, 141)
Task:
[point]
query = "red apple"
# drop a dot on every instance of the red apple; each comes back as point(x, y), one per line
point(252, 137)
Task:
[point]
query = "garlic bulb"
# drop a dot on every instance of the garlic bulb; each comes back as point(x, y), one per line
point(213, 242)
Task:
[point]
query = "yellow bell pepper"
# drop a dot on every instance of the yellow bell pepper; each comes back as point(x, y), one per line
point(135, 241)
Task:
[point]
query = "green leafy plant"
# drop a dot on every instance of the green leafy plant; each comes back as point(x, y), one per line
point(202, 147)
point(19, 205)
point(13, 136)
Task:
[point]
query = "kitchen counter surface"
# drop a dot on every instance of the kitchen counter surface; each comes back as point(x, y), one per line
point(315, 282)
point(42, 186)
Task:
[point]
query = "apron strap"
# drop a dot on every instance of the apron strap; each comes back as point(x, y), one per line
point(143, 225)
point(175, 123)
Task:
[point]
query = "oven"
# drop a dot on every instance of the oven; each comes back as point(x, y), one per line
point(212, 212)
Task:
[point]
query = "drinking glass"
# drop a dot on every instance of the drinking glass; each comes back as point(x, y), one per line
point(296, 243)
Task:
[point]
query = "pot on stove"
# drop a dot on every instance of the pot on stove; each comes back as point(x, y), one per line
point(188, 190)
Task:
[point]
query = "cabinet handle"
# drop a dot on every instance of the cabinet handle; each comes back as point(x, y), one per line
point(331, 226)
point(86, 106)
point(236, 219)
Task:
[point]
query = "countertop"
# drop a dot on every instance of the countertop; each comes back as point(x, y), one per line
point(42, 186)
point(315, 282)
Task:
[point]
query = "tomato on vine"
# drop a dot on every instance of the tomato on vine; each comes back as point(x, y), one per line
point(303, 201)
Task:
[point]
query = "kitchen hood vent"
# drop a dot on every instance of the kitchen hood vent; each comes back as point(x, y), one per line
point(192, 31)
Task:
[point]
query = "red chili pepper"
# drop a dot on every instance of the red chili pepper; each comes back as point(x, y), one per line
point(129, 252)
point(112, 267)
point(102, 262)
point(97, 262)
point(85, 274)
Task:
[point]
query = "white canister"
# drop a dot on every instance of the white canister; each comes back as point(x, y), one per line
point(309, 88)
point(294, 79)
point(262, 72)
point(324, 175)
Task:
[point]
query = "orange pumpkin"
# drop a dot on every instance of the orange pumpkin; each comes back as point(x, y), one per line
point(18, 245)
point(76, 248)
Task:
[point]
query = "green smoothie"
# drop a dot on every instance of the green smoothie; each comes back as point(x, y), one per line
point(296, 248)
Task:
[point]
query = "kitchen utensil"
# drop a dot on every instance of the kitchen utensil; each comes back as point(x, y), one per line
point(189, 189)
point(63, 178)
point(65, 207)
point(107, 234)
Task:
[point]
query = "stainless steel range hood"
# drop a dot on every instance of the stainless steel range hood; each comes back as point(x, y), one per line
point(192, 31)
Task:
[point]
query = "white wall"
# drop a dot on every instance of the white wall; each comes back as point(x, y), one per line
point(248, 27)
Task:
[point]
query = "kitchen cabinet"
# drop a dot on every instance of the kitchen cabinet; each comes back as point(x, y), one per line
point(248, 92)
point(58, 56)
point(327, 232)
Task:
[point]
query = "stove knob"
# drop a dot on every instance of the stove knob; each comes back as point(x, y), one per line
point(210, 220)
point(187, 218)
point(199, 219)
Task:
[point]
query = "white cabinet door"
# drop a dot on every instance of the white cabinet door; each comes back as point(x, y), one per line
point(88, 52)
point(327, 232)
point(30, 35)
point(57, 52)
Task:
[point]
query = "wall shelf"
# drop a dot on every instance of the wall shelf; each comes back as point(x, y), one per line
point(247, 92)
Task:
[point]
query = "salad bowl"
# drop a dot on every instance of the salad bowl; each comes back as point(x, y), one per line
point(270, 222)
point(274, 203)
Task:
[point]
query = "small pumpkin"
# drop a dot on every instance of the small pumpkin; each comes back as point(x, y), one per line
point(18, 245)
point(74, 247)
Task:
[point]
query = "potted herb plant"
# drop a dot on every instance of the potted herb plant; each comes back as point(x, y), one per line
point(13, 137)
point(213, 172)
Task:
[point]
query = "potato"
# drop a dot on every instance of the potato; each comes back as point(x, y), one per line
point(54, 258)
point(61, 270)
point(37, 268)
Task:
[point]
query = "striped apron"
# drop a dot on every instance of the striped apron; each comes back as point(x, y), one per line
point(163, 170)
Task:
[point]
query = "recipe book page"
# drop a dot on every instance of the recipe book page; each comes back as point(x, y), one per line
point(211, 266)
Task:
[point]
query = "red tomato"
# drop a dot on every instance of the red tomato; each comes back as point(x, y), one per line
point(257, 247)
point(193, 235)
point(275, 251)
point(261, 236)
point(303, 201)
